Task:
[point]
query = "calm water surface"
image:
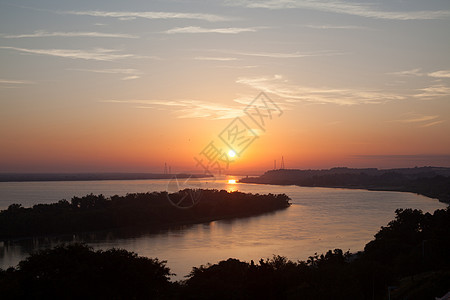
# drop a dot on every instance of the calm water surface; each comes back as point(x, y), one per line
point(319, 219)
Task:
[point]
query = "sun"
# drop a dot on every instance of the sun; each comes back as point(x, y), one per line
point(231, 153)
point(231, 181)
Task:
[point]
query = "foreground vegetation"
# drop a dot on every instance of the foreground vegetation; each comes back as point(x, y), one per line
point(410, 254)
point(138, 210)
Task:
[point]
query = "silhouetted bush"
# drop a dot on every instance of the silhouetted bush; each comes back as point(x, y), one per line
point(77, 272)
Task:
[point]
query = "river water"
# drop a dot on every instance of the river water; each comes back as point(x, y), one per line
point(318, 220)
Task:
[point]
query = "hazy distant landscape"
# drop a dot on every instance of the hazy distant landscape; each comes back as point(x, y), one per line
point(20, 177)
point(432, 182)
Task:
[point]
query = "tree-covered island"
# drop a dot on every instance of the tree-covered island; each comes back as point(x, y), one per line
point(137, 210)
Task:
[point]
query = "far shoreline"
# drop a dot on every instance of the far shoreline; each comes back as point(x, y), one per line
point(42, 177)
point(431, 182)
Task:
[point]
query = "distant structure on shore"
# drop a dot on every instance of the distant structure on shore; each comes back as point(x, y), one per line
point(282, 166)
point(167, 169)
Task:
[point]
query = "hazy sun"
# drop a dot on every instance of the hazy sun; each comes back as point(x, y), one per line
point(231, 153)
point(231, 181)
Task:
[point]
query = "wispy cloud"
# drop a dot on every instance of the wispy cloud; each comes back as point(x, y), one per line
point(286, 54)
point(215, 58)
point(129, 73)
point(185, 108)
point(195, 29)
point(237, 66)
point(152, 15)
point(341, 7)
point(15, 82)
point(440, 74)
point(99, 54)
point(416, 119)
point(345, 27)
point(280, 55)
point(11, 84)
point(412, 72)
point(432, 123)
point(419, 72)
point(419, 120)
point(275, 54)
point(40, 33)
point(438, 90)
point(281, 87)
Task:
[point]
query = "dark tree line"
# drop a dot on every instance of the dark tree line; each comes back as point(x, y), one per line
point(137, 210)
point(427, 181)
point(78, 272)
point(410, 254)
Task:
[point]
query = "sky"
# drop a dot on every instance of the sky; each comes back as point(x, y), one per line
point(127, 86)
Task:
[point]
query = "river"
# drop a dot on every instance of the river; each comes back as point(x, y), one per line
point(318, 220)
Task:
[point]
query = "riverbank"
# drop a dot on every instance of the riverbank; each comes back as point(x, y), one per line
point(401, 262)
point(140, 210)
point(431, 182)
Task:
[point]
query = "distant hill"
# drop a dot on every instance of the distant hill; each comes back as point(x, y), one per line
point(433, 182)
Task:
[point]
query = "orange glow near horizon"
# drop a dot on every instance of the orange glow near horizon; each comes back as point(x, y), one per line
point(134, 101)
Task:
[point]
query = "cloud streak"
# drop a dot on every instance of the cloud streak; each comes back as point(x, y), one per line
point(129, 73)
point(99, 54)
point(151, 15)
point(15, 82)
point(440, 74)
point(345, 27)
point(432, 124)
point(434, 91)
point(277, 85)
point(212, 58)
point(195, 29)
point(422, 121)
point(416, 119)
point(282, 55)
point(341, 7)
point(412, 72)
point(186, 108)
point(39, 34)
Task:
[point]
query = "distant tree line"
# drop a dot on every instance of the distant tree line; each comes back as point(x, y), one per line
point(427, 181)
point(136, 210)
point(20, 177)
point(408, 259)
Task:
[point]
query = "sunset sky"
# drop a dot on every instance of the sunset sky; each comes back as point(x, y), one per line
point(125, 86)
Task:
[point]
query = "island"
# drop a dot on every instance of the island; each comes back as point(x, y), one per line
point(433, 182)
point(152, 210)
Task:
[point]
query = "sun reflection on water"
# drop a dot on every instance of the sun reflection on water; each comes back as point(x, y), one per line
point(231, 184)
